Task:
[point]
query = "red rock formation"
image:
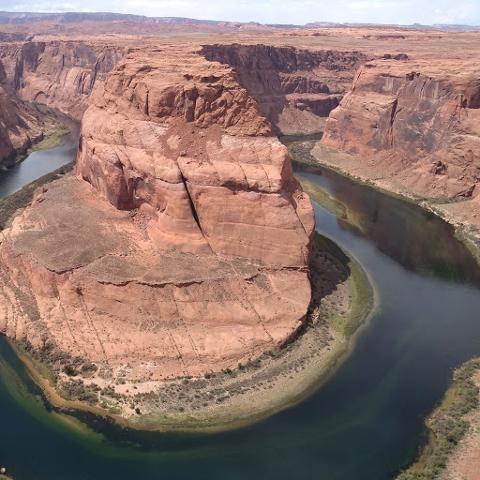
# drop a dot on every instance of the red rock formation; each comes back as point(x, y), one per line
point(186, 249)
point(420, 122)
point(296, 89)
point(59, 74)
point(21, 124)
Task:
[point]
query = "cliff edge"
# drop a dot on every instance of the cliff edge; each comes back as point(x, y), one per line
point(179, 247)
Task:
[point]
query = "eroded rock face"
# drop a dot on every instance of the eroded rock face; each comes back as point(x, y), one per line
point(420, 122)
point(59, 74)
point(19, 127)
point(180, 247)
point(296, 89)
point(21, 124)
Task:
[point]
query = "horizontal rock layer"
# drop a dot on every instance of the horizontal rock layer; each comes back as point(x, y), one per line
point(419, 121)
point(296, 89)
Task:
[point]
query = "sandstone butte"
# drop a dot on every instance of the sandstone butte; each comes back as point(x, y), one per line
point(180, 244)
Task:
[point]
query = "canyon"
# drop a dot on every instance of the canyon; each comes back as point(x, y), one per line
point(418, 121)
point(194, 236)
point(181, 244)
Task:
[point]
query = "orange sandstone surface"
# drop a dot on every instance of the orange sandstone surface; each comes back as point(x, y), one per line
point(181, 244)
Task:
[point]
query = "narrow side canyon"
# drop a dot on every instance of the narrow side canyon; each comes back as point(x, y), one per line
point(296, 89)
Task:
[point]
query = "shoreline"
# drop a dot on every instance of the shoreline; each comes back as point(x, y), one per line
point(466, 232)
point(53, 136)
point(274, 382)
point(450, 430)
point(438, 449)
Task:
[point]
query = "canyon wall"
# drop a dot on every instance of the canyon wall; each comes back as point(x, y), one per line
point(415, 123)
point(21, 123)
point(181, 246)
point(60, 74)
point(296, 89)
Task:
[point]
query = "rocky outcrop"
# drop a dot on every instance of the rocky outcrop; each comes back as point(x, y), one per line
point(296, 89)
point(19, 128)
point(59, 74)
point(182, 244)
point(419, 121)
point(21, 124)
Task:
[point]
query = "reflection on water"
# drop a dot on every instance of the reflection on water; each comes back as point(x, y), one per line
point(365, 424)
point(415, 238)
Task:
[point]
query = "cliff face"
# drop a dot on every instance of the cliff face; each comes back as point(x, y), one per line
point(61, 75)
point(58, 74)
point(186, 248)
point(19, 127)
point(296, 89)
point(419, 121)
point(21, 124)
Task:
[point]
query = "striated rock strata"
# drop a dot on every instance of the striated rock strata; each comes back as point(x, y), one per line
point(296, 89)
point(181, 245)
point(415, 124)
point(60, 74)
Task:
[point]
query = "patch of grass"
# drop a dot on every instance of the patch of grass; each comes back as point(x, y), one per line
point(448, 425)
point(51, 140)
point(359, 285)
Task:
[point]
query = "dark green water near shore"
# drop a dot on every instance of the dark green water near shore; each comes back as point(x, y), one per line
point(366, 423)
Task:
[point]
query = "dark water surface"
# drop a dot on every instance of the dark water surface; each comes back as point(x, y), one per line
point(37, 164)
point(365, 424)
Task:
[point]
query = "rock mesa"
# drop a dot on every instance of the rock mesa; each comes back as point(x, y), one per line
point(181, 244)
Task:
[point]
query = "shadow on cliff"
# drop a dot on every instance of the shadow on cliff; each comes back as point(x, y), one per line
point(272, 74)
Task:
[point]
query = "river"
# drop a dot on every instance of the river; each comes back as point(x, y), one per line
point(366, 423)
point(39, 163)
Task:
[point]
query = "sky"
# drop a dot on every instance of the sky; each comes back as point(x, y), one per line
point(273, 11)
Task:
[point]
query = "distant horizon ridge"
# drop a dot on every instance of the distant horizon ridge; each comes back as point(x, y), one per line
point(21, 17)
